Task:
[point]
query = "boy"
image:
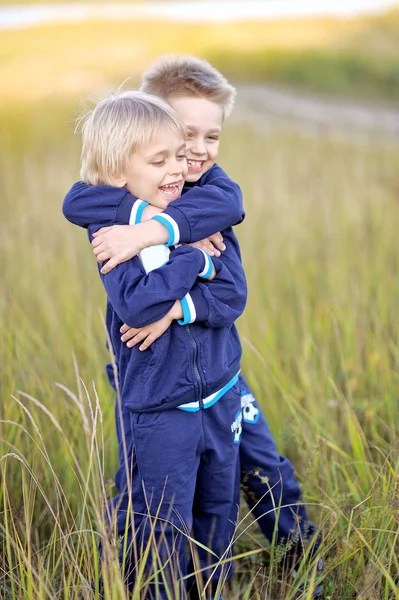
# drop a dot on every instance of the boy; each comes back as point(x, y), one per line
point(203, 98)
point(180, 406)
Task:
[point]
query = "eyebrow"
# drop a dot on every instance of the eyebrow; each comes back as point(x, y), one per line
point(165, 152)
point(215, 130)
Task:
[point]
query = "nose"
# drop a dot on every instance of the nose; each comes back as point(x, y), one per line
point(177, 166)
point(197, 146)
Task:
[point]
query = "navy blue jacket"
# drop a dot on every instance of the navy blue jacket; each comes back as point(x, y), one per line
point(199, 355)
point(212, 204)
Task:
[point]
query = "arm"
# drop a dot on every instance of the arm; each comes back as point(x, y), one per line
point(204, 209)
point(86, 205)
point(213, 204)
point(221, 301)
point(139, 298)
point(215, 304)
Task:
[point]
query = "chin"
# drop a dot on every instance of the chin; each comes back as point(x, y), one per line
point(161, 203)
point(193, 177)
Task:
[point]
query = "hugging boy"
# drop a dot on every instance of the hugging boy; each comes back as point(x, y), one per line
point(179, 417)
point(211, 202)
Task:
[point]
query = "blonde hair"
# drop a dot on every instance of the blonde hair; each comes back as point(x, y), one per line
point(115, 127)
point(187, 76)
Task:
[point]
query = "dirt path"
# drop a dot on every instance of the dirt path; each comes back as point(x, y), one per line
point(315, 112)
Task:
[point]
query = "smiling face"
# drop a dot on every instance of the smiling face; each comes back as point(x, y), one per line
point(203, 119)
point(156, 170)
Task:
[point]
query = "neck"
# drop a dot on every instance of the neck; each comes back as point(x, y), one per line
point(149, 212)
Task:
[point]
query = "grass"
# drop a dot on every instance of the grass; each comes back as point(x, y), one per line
point(355, 57)
point(320, 338)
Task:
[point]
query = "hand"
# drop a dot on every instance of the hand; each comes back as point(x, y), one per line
point(119, 243)
point(115, 244)
point(150, 333)
point(212, 244)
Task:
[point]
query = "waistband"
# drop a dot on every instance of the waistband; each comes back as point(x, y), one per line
point(210, 400)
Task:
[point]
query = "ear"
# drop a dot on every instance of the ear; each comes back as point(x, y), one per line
point(119, 181)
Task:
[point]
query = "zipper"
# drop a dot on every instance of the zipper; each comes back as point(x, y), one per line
point(196, 370)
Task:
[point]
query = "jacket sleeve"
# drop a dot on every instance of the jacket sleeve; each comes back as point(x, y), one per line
point(219, 302)
point(139, 298)
point(86, 205)
point(214, 204)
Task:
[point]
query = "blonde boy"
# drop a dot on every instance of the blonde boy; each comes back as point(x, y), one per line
point(179, 414)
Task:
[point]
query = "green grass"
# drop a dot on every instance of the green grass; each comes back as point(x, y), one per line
point(320, 338)
point(328, 71)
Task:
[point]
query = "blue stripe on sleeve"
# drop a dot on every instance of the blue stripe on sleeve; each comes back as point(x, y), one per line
point(188, 311)
point(140, 211)
point(208, 268)
point(171, 241)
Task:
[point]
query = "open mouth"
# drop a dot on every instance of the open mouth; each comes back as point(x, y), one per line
point(195, 166)
point(171, 190)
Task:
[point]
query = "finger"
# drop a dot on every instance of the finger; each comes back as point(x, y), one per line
point(207, 246)
point(101, 231)
point(96, 242)
point(102, 257)
point(137, 338)
point(111, 264)
point(210, 248)
point(125, 328)
point(128, 335)
point(97, 250)
point(217, 240)
point(147, 343)
point(99, 247)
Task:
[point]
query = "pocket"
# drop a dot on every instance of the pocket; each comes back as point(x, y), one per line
point(158, 350)
point(141, 420)
point(233, 346)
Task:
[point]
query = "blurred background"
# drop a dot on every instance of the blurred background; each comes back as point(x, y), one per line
point(313, 142)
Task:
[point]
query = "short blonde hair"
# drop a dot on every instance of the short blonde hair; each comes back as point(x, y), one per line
point(188, 76)
point(115, 127)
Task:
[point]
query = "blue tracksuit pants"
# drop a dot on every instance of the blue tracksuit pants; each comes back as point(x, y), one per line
point(177, 478)
point(268, 480)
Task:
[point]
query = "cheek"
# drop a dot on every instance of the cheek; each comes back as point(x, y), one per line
point(213, 152)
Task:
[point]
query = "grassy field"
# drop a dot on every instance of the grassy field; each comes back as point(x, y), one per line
point(320, 334)
point(320, 338)
point(355, 57)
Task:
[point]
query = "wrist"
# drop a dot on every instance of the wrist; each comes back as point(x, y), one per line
point(154, 233)
point(176, 312)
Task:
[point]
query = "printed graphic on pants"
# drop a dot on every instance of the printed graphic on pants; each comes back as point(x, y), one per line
point(250, 412)
point(236, 427)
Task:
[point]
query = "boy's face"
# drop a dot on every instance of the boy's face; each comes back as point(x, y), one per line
point(203, 119)
point(156, 171)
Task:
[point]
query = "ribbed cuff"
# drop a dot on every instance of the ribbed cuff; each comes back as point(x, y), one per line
point(136, 212)
point(200, 303)
point(208, 268)
point(171, 226)
point(189, 312)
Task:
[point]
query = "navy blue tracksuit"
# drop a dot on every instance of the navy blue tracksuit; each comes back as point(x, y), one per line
point(214, 204)
point(180, 409)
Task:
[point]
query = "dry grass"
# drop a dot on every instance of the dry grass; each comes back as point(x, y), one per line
point(320, 350)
